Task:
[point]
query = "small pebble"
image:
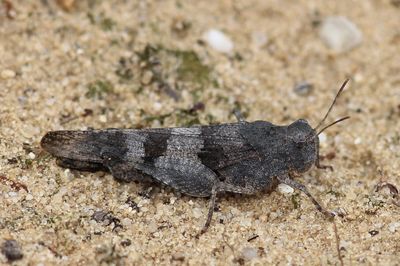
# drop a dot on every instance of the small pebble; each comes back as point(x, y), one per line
point(249, 253)
point(31, 156)
point(172, 200)
point(340, 34)
point(29, 197)
point(7, 74)
point(197, 213)
point(11, 250)
point(393, 227)
point(103, 119)
point(80, 51)
point(344, 244)
point(322, 137)
point(157, 106)
point(67, 5)
point(12, 194)
point(178, 257)
point(126, 222)
point(147, 77)
point(246, 222)
point(285, 189)
point(218, 41)
point(67, 173)
point(152, 227)
point(303, 88)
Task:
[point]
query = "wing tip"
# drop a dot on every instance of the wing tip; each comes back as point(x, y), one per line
point(54, 140)
point(47, 140)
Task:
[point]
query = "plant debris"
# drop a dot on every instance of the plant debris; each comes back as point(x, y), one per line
point(184, 117)
point(180, 27)
point(13, 184)
point(126, 242)
point(108, 255)
point(66, 118)
point(252, 238)
point(99, 89)
point(107, 218)
point(168, 70)
point(295, 198)
point(373, 232)
point(52, 249)
point(132, 204)
point(105, 23)
point(393, 190)
point(9, 9)
point(67, 5)
point(373, 205)
point(338, 249)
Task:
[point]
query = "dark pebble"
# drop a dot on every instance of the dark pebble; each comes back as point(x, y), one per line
point(11, 250)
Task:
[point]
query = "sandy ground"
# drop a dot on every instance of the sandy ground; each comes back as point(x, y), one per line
point(93, 66)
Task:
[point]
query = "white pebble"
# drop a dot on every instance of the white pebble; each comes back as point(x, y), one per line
point(95, 197)
point(126, 222)
point(340, 34)
point(246, 222)
point(344, 244)
point(24, 178)
point(147, 77)
point(67, 173)
point(322, 137)
point(29, 197)
point(235, 211)
point(172, 200)
point(218, 41)
point(358, 77)
point(393, 226)
point(197, 213)
point(51, 101)
point(357, 141)
point(285, 189)
point(80, 51)
point(157, 106)
point(249, 253)
point(152, 227)
point(103, 119)
point(12, 194)
point(7, 74)
point(31, 156)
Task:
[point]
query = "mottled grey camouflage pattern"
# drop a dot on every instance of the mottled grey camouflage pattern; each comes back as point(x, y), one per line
point(199, 161)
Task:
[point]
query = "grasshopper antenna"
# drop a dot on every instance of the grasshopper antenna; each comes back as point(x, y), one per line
point(330, 109)
point(331, 124)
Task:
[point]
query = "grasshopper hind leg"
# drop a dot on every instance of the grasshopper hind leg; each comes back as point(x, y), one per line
point(81, 165)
